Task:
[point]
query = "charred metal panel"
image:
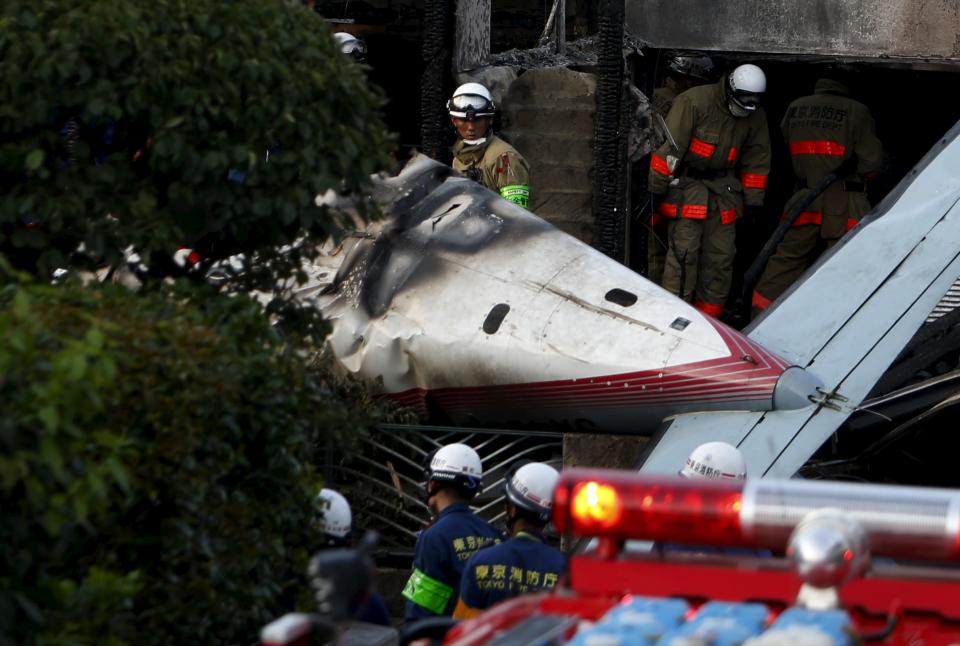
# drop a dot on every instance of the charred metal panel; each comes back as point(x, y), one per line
point(849, 28)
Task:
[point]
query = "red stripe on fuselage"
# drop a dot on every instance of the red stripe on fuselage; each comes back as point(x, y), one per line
point(725, 379)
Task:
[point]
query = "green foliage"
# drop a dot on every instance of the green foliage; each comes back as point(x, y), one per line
point(155, 478)
point(140, 109)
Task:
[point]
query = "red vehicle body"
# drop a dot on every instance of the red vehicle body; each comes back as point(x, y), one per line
point(797, 554)
point(892, 604)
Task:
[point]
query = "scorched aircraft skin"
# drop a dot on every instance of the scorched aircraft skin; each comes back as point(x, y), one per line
point(465, 304)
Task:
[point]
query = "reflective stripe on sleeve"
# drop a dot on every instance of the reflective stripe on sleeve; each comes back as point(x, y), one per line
point(427, 592)
point(808, 217)
point(851, 223)
point(694, 211)
point(659, 165)
point(701, 148)
point(516, 193)
point(668, 209)
point(732, 155)
point(823, 147)
point(728, 216)
point(753, 180)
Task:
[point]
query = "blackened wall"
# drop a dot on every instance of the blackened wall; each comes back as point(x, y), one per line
point(890, 28)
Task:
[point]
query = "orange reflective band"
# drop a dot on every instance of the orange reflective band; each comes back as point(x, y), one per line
point(695, 211)
point(807, 217)
point(851, 223)
point(760, 301)
point(712, 309)
point(753, 180)
point(727, 216)
point(701, 148)
point(668, 209)
point(659, 165)
point(831, 148)
point(733, 154)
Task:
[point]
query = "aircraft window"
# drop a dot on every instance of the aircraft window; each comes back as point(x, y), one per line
point(495, 318)
point(621, 297)
point(680, 323)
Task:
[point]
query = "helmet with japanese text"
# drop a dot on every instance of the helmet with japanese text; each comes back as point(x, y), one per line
point(715, 461)
point(530, 487)
point(471, 101)
point(457, 465)
point(745, 87)
point(336, 519)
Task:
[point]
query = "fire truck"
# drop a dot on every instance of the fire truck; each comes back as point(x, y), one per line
point(666, 560)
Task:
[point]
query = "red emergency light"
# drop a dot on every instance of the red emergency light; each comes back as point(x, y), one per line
point(620, 504)
point(904, 522)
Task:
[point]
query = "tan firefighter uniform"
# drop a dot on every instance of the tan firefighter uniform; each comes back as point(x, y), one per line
point(821, 131)
point(663, 98)
point(723, 163)
point(497, 165)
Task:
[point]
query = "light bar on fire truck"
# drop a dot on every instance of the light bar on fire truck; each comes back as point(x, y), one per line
point(905, 522)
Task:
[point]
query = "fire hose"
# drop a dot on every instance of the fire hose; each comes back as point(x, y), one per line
point(753, 273)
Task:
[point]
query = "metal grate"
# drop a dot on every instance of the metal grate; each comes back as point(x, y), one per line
point(383, 480)
point(949, 302)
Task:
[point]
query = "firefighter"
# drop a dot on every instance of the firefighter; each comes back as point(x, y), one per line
point(524, 563)
point(453, 477)
point(481, 155)
point(715, 461)
point(683, 73)
point(823, 131)
point(351, 46)
point(336, 525)
point(716, 175)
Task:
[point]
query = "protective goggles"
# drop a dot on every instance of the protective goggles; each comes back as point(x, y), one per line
point(470, 107)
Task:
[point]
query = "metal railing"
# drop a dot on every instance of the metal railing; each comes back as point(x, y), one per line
point(383, 479)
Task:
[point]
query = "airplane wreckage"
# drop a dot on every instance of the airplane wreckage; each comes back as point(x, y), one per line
point(475, 311)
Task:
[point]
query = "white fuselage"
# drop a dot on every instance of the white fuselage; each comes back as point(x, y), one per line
point(466, 304)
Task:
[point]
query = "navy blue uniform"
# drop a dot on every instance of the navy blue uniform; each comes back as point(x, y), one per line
point(441, 552)
point(372, 610)
point(517, 566)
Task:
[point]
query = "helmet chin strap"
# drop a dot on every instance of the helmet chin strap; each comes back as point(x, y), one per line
point(512, 518)
point(736, 110)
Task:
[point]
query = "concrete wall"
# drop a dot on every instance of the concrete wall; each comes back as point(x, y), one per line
point(928, 29)
point(548, 117)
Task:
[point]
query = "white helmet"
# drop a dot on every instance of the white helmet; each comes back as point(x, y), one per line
point(531, 488)
point(456, 464)
point(336, 519)
point(350, 45)
point(715, 461)
point(471, 101)
point(745, 86)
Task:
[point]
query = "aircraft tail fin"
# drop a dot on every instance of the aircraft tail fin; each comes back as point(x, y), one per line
point(845, 321)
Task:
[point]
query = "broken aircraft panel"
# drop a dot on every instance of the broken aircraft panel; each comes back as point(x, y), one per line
point(464, 304)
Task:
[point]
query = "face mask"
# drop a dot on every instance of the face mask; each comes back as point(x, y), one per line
point(474, 142)
point(737, 110)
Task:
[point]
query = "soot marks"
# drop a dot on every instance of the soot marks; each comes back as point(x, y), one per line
point(492, 323)
point(621, 297)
